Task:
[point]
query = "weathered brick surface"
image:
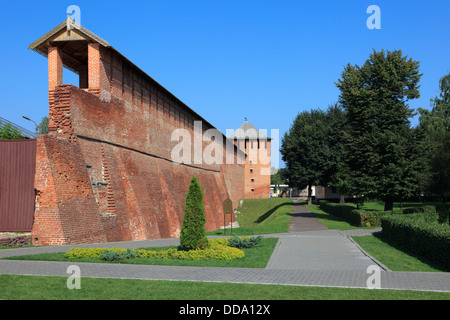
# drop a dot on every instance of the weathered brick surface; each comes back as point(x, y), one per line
point(15, 240)
point(104, 171)
point(66, 209)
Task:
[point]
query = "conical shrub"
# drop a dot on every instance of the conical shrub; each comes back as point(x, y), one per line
point(193, 234)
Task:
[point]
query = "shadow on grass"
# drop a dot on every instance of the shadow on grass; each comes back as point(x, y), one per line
point(267, 214)
point(331, 217)
point(408, 251)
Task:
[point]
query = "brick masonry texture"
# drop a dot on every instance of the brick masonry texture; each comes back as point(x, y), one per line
point(104, 172)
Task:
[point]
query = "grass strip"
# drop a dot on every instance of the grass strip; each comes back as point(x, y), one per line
point(17, 287)
point(394, 257)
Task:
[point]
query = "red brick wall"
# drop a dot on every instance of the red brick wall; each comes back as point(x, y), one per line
point(105, 171)
point(66, 209)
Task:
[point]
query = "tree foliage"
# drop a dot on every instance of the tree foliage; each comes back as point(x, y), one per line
point(304, 149)
point(436, 125)
point(379, 149)
point(43, 126)
point(193, 229)
point(279, 176)
point(311, 148)
point(7, 131)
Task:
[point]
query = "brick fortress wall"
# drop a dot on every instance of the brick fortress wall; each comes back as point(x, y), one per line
point(104, 172)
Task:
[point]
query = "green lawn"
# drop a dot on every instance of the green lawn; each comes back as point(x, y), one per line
point(54, 288)
point(395, 258)
point(262, 216)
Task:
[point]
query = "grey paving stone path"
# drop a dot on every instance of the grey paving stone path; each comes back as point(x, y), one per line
point(303, 220)
point(301, 258)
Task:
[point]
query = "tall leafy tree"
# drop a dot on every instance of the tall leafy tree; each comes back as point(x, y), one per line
point(436, 125)
point(379, 148)
point(336, 174)
point(305, 150)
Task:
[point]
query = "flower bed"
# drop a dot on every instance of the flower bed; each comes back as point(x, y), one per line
point(218, 249)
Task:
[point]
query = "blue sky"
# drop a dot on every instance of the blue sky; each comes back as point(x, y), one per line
point(227, 60)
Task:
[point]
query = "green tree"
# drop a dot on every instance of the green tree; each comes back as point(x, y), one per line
point(7, 131)
point(43, 126)
point(193, 234)
point(280, 177)
point(436, 125)
point(336, 176)
point(379, 148)
point(305, 150)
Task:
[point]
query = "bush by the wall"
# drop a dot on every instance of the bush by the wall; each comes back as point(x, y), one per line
point(193, 234)
point(420, 234)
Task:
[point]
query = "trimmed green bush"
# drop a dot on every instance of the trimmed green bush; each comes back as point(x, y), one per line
point(361, 217)
point(421, 234)
point(444, 213)
point(244, 242)
point(112, 255)
point(368, 218)
point(75, 253)
point(193, 234)
point(423, 209)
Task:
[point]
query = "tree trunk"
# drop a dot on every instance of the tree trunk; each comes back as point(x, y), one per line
point(341, 199)
point(309, 195)
point(389, 204)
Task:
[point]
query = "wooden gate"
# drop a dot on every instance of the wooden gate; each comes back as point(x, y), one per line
point(17, 196)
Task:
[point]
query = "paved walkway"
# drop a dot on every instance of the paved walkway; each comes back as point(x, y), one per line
point(301, 258)
point(303, 220)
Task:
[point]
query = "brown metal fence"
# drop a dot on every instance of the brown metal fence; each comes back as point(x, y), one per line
point(17, 196)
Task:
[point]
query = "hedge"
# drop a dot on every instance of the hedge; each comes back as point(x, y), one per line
point(358, 217)
point(443, 211)
point(421, 234)
point(369, 218)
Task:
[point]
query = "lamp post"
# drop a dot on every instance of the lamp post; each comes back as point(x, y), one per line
point(26, 118)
